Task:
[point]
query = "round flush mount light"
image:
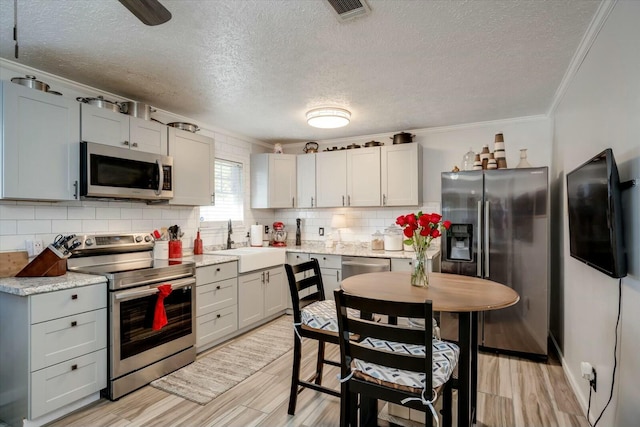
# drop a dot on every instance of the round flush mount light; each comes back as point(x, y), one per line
point(328, 117)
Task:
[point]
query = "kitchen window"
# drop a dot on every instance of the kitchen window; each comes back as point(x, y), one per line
point(229, 202)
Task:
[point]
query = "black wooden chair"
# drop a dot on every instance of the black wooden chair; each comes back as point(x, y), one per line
point(395, 363)
point(314, 318)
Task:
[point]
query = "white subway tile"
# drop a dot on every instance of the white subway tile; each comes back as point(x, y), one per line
point(120, 225)
point(8, 227)
point(84, 212)
point(34, 226)
point(152, 213)
point(170, 214)
point(17, 212)
point(107, 213)
point(142, 225)
point(131, 213)
point(66, 226)
point(95, 226)
point(51, 212)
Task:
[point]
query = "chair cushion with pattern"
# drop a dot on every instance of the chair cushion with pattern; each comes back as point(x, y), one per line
point(445, 359)
point(322, 315)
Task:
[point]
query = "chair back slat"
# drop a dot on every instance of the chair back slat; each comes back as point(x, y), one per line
point(312, 281)
point(385, 331)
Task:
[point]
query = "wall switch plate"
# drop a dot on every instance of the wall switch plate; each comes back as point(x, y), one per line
point(28, 245)
point(321, 231)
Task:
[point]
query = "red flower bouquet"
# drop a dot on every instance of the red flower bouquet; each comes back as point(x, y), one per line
point(420, 229)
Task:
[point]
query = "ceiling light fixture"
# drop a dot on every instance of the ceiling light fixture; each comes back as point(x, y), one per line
point(328, 117)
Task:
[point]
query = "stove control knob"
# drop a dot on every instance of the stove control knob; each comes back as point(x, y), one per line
point(88, 242)
point(138, 239)
point(147, 238)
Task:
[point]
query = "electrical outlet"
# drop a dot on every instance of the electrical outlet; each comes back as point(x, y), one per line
point(37, 247)
point(321, 231)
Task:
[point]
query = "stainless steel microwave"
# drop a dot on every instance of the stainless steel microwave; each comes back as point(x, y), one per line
point(113, 172)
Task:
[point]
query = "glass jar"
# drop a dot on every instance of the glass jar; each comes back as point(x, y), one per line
point(468, 159)
point(377, 241)
point(393, 238)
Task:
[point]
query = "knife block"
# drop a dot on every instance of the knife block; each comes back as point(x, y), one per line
point(47, 264)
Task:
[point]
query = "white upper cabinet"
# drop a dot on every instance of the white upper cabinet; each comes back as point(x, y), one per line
point(331, 179)
point(363, 177)
point(401, 174)
point(39, 144)
point(348, 177)
point(306, 182)
point(193, 168)
point(112, 128)
point(273, 180)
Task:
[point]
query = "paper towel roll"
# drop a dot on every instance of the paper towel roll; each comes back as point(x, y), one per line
point(256, 235)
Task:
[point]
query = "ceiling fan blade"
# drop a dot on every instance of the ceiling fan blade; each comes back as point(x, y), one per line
point(150, 12)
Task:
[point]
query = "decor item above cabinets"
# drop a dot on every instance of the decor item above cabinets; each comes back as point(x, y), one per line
point(348, 178)
point(108, 127)
point(39, 145)
point(193, 168)
point(273, 180)
point(401, 166)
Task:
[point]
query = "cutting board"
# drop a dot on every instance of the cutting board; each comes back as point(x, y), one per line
point(12, 262)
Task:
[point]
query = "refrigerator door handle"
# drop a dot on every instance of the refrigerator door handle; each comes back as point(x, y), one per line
point(479, 241)
point(486, 239)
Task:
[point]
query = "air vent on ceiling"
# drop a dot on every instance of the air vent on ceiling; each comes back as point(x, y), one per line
point(349, 9)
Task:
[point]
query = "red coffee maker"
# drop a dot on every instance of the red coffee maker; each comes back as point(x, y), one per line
point(278, 235)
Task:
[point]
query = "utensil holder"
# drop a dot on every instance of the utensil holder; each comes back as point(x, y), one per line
point(175, 249)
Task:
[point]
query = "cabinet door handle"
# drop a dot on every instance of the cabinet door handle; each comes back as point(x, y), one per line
point(218, 287)
point(75, 190)
point(74, 323)
point(342, 200)
point(135, 144)
point(384, 200)
point(293, 202)
point(348, 200)
point(311, 200)
point(218, 269)
point(263, 277)
point(267, 277)
point(125, 143)
point(74, 296)
point(337, 275)
point(213, 199)
point(217, 316)
point(74, 367)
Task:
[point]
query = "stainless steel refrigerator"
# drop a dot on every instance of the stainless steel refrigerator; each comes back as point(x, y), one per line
point(500, 232)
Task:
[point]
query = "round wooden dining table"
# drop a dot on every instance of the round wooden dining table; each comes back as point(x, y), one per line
point(453, 293)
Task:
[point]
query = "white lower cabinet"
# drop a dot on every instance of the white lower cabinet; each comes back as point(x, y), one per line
point(261, 294)
point(331, 270)
point(216, 303)
point(57, 356)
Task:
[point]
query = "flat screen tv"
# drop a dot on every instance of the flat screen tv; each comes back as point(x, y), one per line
point(596, 234)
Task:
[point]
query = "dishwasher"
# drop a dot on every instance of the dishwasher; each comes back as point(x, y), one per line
point(352, 265)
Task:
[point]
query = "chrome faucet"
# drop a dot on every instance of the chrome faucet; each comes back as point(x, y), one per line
point(229, 231)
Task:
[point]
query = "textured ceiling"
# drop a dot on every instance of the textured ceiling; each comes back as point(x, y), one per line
point(255, 67)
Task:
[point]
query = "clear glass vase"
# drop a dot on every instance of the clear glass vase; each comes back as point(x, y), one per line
point(420, 273)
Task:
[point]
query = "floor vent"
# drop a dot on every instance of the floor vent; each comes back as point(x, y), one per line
point(349, 9)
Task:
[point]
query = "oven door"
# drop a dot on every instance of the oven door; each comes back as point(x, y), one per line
point(115, 172)
point(134, 344)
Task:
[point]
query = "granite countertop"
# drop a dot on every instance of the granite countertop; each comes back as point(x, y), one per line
point(350, 249)
point(25, 286)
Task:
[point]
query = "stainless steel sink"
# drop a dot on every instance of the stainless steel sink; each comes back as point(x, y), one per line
point(252, 258)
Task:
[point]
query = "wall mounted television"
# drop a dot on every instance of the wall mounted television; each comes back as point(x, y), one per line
point(596, 235)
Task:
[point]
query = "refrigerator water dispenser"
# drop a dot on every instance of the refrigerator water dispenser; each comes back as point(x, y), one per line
point(459, 242)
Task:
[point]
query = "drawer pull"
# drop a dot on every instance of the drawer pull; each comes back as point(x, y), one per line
point(74, 367)
point(74, 323)
point(218, 287)
point(218, 269)
point(74, 296)
point(218, 316)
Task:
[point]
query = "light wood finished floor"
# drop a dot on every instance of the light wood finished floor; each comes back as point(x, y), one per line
point(511, 392)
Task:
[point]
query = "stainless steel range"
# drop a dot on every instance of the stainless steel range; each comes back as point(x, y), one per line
point(138, 354)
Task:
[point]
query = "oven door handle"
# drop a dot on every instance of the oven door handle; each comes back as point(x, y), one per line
point(132, 294)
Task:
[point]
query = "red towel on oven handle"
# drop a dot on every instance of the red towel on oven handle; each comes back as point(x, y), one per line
point(160, 315)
